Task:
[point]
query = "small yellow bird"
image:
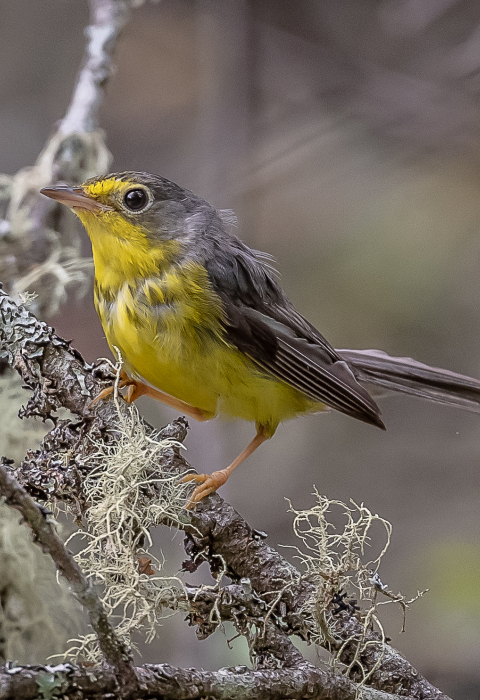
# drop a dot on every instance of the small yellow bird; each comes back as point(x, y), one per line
point(203, 326)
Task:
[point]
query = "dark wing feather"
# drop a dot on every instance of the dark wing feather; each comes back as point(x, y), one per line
point(263, 324)
point(414, 378)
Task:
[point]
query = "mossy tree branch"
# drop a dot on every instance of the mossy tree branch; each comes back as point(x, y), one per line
point(115, 654)
point(173, 683)
point(296, 678)
point(57, 376)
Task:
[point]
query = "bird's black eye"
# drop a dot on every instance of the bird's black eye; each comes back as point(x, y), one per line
point(135, 199)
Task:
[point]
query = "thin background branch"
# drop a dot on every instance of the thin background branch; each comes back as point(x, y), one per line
point(40, 248)
point(115, 654)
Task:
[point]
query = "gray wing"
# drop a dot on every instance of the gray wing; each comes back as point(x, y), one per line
point(263, 324)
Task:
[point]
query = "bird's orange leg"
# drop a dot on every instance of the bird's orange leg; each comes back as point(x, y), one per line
point(209, 483)
point(136, 389)
point(124, 381)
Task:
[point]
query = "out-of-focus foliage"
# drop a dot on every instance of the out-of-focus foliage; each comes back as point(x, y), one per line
point(37, 615)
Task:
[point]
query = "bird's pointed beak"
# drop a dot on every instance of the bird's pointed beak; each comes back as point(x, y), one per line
point(75, 198)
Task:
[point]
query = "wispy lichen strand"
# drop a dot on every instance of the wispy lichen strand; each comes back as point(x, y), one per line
point(336, 562)
point(129, 494)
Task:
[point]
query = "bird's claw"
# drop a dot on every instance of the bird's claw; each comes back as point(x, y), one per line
point(207, 484)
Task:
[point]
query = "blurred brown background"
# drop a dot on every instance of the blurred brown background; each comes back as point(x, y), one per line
point(346, 136)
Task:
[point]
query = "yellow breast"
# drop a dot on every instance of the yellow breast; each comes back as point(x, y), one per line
point(167, 322)
point(167, 329)
point(170, 334)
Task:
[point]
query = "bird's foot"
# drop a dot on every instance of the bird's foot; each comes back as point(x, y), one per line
point(136, 388)
point(207, 484)
point(125, 380)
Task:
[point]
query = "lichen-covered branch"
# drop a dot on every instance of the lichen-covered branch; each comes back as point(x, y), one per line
point(240, 604)
point(107, 19)
point(216, 532)
point(226, 534)
point(40, 243)
point(172, 683)
point(114, 652)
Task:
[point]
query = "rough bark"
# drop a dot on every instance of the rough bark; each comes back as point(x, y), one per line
point(115, 654)
point(171, 683)
point(57, 376)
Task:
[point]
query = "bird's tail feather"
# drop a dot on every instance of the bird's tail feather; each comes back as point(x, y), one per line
point(414, 378)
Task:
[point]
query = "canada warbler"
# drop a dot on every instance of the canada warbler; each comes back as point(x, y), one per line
point(203, 325)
